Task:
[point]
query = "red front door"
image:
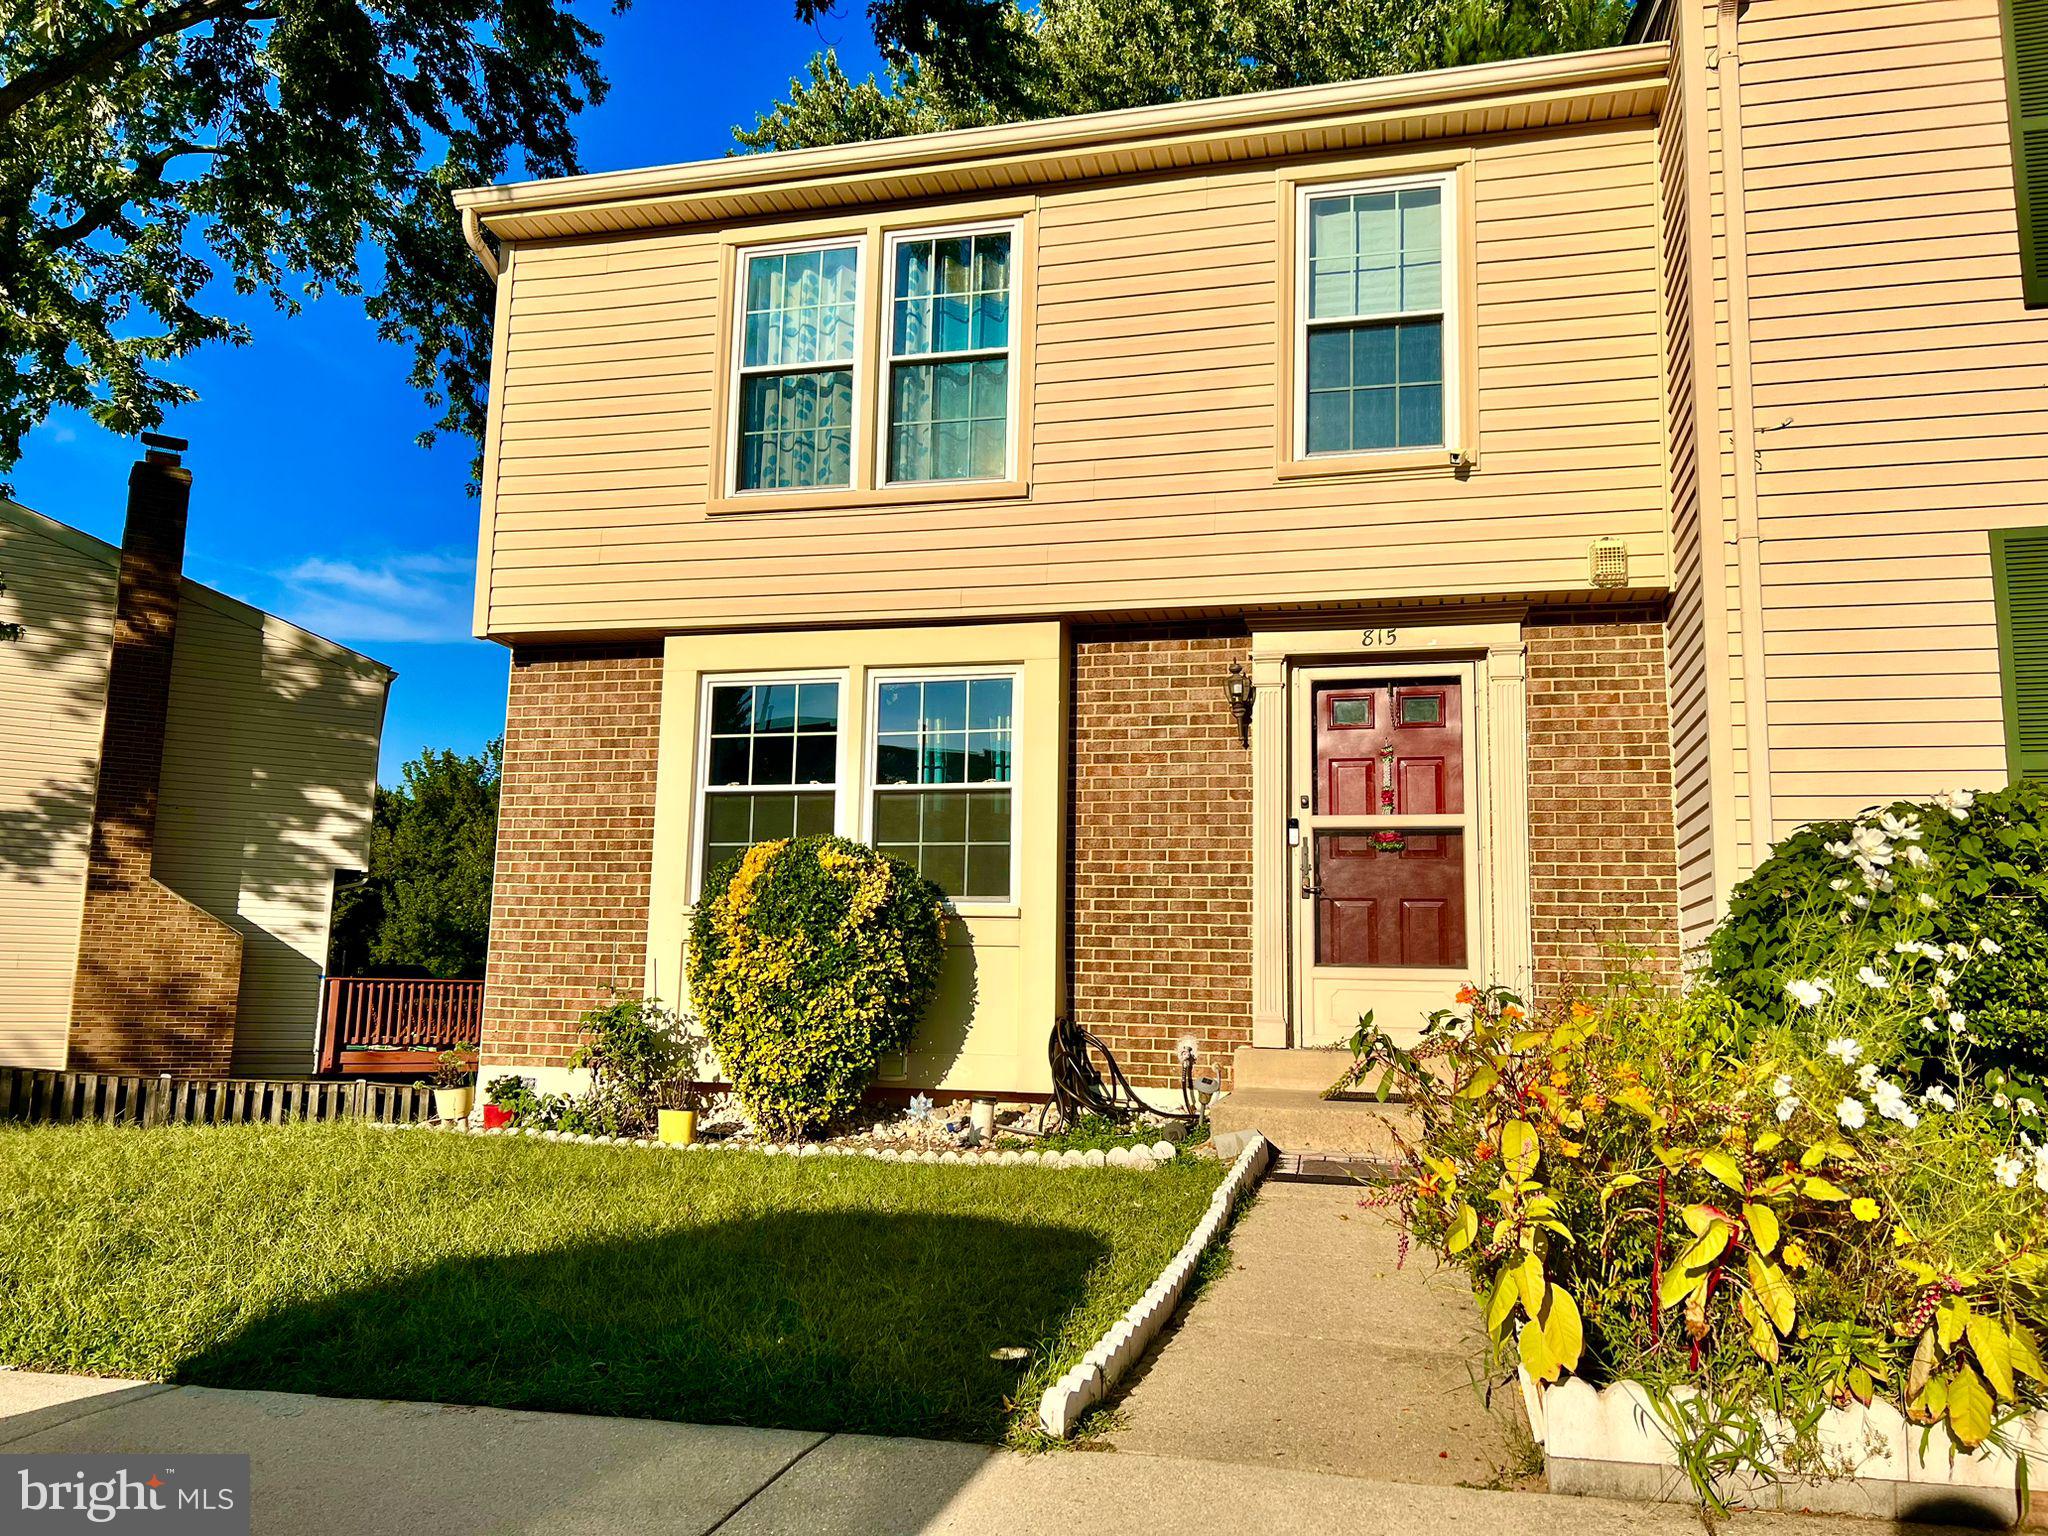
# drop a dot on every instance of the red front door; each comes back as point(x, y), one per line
point(1389, 896)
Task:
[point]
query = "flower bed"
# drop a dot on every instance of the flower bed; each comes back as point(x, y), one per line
point(1758, 1206)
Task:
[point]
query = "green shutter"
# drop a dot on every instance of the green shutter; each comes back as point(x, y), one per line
point(2019, 577)
point(2026, 63)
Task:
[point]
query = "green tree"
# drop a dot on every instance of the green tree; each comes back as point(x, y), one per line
point(292, 147)
point(424, 906)
point(966, 63)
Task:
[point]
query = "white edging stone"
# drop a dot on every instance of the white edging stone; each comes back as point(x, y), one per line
point(1126, 1339)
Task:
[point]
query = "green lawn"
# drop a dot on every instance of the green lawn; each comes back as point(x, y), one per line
point(821, 1293)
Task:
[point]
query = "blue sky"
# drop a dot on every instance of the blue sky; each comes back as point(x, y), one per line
point(310, 497)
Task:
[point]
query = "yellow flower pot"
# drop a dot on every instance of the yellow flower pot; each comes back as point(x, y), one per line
point(676, 1125)
point(453, 1103)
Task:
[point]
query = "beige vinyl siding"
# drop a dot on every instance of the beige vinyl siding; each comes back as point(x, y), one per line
point(1153, 451)
point(270, 761)
point(1901, 388)
point(1688, 655)
point(53, 689)
point(269, 771)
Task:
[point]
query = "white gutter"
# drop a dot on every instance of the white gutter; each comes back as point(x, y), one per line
point(473, 235)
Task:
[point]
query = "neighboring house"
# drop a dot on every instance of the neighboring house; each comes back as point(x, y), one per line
point(181, 778)
point(1585, 469)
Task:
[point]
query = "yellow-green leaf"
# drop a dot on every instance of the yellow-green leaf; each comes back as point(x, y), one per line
point(1690, 1272)
point(1861, 1386)
point(1519, 1149)
point(1763, 1226)
point(1921, 1370)
point(1821, 1189)
point(1723, 1167)
point(1563, 1332)
point(1761, 1338)
point(1773, 1292)
point(1535, 1352)
point(1767, 1142)
point(1531, 1285)
point(1952, 1321)
point(1863, 1208)
point(1616, 1185)
point(1480, 1085)
point(2026, 1353)
point(1638, 1099)
point(1969, 1408)
point(1464, 1228)
point(1994, 1354)
point(1699, 1218)
point(1501, 1305)
point(1813, 1157)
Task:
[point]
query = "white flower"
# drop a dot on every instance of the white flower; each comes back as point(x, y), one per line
point(1840, 850)
point(1839, 883)
point(1872, 978)
point(1944, 975)
point(1957, 951)
point(1866, 1076)
point(1781, 1086)
point(1937, 994)
point(1939, 1097)
point(1870, 844)
point(1859, 900)
point(1896, 827)
point(1787, 1107)
point(2006, 1170)
point(2041, 1169)
point(1917, 856)
point(1926, 899)
point(1959, 804)
point(1845, 1050)
point(1989, 946)
point(1806, 994)
point(1850, 1114)
point(2027, 1107)
point(1889, 1100)
point(1999, 1101)
point(1957, 1023)
point(1928, 1024)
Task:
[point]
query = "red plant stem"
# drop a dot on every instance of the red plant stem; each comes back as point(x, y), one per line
point(1713, 1279)
point(1657, 1270)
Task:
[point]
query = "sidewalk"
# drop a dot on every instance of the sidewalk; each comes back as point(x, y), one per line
point(324, 1465)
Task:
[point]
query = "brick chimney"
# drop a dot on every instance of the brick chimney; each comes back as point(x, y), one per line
point(157, 977)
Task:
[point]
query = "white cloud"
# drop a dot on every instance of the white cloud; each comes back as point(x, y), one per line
point(420, 596)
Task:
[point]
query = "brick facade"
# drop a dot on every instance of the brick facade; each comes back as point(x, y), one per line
point(569, 905)
point(1603, 855)
point(158, 978)
point(1160, 875)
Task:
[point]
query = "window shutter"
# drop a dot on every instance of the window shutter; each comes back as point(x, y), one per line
point(2019, 575)
point(2026, 62)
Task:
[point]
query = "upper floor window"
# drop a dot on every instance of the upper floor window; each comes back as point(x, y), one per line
point(798, 343)
point(1375, 306)
point(949, 356)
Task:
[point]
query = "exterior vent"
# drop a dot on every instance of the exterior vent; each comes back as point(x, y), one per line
point(1607, 562)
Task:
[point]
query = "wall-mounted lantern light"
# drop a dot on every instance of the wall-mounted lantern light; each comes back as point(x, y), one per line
point(1240, 687)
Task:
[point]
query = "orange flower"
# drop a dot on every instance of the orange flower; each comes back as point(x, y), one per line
point(1483, 1153)
point(1467, 994)
point(1511, 1012)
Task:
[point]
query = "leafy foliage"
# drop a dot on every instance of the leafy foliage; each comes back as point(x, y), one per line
point(810, 960)
point(965, 63)
point(1972, 880)
point(149, 147)
point(631, 1047)
point(1774, 1208)
point(424, 907)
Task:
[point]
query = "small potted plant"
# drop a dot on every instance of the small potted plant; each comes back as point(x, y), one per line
point(677, 1099)
point(505, 1100)
point(454, 1092)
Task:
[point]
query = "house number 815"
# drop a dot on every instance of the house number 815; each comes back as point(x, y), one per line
point(1378, 637)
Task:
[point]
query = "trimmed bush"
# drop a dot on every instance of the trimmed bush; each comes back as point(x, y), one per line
point(1966, 875)
point(810, 960)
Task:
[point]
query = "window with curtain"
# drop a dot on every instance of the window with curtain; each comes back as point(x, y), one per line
point(943, 780)
point(949, 357)
point(772, 765)
point(796, 368)
point(1375, 286)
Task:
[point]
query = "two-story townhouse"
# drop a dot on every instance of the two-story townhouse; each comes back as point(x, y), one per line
point(1266, 558)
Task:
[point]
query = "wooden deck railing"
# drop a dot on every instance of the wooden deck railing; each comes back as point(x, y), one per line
point(376, 1027)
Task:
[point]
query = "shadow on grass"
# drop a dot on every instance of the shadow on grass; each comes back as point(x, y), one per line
point(878, 1322)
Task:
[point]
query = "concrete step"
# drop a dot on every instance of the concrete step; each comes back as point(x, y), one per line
point(1265, 1066)
point(1300, 1120)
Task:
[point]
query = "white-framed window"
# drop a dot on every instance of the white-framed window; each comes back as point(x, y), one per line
point(949, 390)
point(1376, 309)
point(943, 777)
point(796, 357)
point(771, 762)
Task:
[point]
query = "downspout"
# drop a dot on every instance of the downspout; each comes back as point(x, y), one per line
point(1742, 421)
point(473, 236)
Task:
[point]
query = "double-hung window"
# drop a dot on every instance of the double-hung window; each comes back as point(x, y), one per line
point(771, 764)
point(797, 344)
point(949, 375)
point(1375, 306)
point(944, 777)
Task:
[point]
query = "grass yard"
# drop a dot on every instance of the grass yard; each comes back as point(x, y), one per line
point(822, 1293)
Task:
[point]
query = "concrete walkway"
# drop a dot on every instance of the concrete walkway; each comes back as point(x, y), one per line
point(334, 1467)
point(1317, 1352)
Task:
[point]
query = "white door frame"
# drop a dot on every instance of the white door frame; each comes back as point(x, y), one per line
point(1498, 717)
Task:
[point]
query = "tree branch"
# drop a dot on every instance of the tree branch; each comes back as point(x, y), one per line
point(96, 54)
point(98, 214)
